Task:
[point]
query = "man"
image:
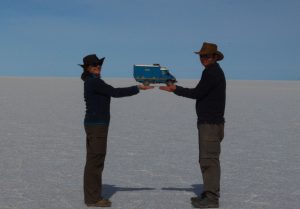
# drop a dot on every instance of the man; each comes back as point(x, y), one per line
point(97, 96)
point(210, 105)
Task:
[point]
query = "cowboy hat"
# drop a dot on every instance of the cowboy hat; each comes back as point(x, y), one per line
point(210, 48)
point(92, 59)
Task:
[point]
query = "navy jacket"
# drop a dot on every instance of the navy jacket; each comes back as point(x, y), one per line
point(210, 95)
point(97, 96)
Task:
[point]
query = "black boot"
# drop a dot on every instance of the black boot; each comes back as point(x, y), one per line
point(206, 200)
point(100, 203)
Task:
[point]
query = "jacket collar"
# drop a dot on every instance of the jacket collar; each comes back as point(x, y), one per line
point(213, 65)
point(91, 75)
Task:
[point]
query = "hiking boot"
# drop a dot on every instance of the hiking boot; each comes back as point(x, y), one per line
point(100, 203)
point(195, 198)
point(205, 203)
point(202, 195)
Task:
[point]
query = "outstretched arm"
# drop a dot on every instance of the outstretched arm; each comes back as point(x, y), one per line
point(106, 89)
point(206, 83)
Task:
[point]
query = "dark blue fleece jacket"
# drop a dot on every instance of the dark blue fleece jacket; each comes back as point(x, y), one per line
point(97, 96)
point(210, 95)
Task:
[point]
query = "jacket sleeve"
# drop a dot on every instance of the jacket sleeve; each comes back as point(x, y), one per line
point(103, 88)
point(204, 86)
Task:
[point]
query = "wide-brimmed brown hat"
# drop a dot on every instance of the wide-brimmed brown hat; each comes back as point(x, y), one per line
point(92, 59)
point(210, 48)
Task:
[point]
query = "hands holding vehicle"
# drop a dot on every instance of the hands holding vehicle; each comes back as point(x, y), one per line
point(169, 88)
point(144, 87)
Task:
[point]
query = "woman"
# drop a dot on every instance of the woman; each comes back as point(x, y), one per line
point(97, 96)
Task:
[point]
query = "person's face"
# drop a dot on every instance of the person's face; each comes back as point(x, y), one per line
point(94, 69)
point(207, 59)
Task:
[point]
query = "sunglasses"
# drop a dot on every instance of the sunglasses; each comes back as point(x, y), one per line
point(206, 56)
point(94, 64)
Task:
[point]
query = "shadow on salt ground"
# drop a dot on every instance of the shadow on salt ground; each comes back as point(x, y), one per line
point(196, 188)
point(110, 190)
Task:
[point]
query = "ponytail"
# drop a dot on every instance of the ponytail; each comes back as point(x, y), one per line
point(84, 74)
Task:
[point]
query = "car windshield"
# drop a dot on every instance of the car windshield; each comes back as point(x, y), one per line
point(164, 71)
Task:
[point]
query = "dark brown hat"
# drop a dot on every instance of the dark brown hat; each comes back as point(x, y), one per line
point(92, 59)
point(210, 48)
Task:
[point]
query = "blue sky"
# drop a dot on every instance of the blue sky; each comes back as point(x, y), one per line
point(260, 39)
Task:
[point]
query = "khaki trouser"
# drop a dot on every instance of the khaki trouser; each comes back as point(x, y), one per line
point(210, 137)
point(96, 143)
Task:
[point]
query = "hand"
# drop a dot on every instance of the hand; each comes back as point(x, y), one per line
point(143, 87)
point(169, 88)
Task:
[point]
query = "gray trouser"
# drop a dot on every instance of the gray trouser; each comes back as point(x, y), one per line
point(210, 137)
point(96, 142)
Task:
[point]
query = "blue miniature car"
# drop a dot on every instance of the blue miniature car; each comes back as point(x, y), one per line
point(151, 74)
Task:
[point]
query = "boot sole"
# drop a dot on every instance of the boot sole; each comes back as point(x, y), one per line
point(196, 205)
point(98, 205)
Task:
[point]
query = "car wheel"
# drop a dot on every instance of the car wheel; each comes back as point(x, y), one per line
point(146, 83)
point(169, 82)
